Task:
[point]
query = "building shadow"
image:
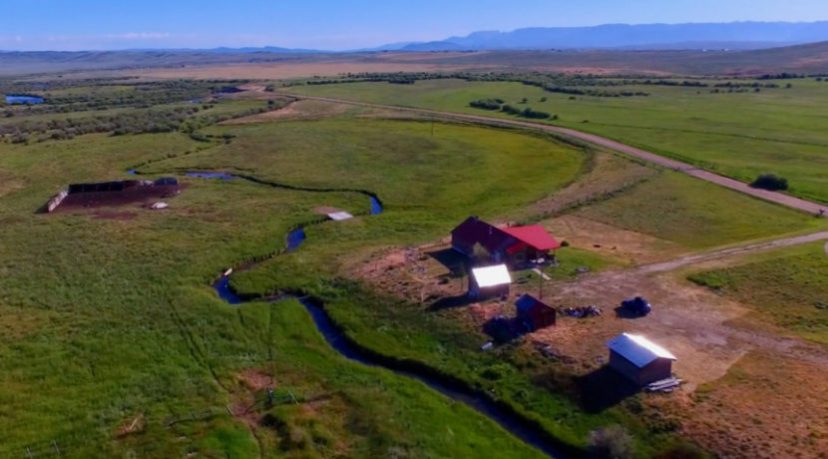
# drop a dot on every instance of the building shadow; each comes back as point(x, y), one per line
point(603, 389)
point(504, 330)
point(451, 302)
point(454, 261)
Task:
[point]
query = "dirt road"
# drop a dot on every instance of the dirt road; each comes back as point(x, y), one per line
point(695, 322)
point(778, 198)
point(703, 257)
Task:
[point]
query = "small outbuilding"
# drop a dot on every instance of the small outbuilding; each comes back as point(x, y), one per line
point(535, 314)
point(639, 359)
point(490, 282)
point(340, 216)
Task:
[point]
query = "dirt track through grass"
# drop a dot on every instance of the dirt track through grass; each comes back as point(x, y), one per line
point(777, 198)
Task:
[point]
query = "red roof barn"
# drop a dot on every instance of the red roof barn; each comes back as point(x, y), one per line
point(514, 245)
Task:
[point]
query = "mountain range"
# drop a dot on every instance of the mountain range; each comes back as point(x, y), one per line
point(735, 35)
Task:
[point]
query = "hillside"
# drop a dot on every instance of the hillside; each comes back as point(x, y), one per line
point(810, 59)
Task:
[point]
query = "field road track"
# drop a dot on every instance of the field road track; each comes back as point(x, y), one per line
point(703, 257)
point(778, 198)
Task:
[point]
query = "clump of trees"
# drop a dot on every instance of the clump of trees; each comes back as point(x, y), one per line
point(527, 113)
point(551, 82)
point(770, 182)
point(487, 104)
point(499, 104)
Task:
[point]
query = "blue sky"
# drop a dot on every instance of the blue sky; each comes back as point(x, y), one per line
point(331, 24)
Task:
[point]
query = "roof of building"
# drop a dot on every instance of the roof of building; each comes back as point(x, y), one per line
point(535, 236)
point(492, 276)
point(638, 349)
point(489, 236)
point(340, 216)
point(528, 302)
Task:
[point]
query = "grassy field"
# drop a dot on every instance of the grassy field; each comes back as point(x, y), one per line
point(695, 214)
point(740, 135)
point(110, 320)
point(788, 290)
point(415, 215)
point(112, 342)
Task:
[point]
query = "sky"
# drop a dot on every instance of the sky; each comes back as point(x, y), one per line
point(339, 24)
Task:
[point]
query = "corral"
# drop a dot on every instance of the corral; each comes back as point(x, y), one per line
point(113, 194)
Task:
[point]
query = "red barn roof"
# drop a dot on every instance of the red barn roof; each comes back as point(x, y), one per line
point(535, 236)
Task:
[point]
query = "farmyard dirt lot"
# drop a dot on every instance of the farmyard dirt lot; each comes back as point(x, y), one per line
point(737, 399)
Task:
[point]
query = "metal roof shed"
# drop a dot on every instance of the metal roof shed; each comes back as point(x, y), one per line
point(490, 281)
point(639, 359)
point(340, 216)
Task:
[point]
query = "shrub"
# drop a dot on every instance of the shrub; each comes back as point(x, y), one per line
point(510, 110)
point(770, 182)
point(611, 442)
point(533, 114)
point(486, 104)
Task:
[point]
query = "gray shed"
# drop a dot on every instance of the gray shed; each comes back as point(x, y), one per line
point(639, 359)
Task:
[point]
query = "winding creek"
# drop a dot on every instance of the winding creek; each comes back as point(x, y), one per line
point(521, 427)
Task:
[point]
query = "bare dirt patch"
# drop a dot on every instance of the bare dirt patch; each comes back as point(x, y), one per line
point(299, 110)
point(735, 403)
point(132, 426)
point(766, 407)
point(611, 241)
point(255, 379)
point(409, 273)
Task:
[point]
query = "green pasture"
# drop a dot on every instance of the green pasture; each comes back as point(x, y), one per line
point(740, 135)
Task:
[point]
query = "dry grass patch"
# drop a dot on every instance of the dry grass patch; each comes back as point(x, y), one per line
point(767, 406)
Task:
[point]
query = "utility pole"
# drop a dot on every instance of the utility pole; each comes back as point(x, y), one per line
point(539, 267)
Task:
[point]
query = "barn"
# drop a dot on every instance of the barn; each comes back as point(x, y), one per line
point(515, 246)
point(490, 282)
point(473, 232)
point(639, 359)
point(535, 314)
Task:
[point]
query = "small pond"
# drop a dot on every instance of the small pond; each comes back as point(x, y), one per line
point(23, 100)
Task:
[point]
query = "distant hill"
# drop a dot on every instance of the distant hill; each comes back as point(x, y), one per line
point(803, 59)
point(736, 35)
